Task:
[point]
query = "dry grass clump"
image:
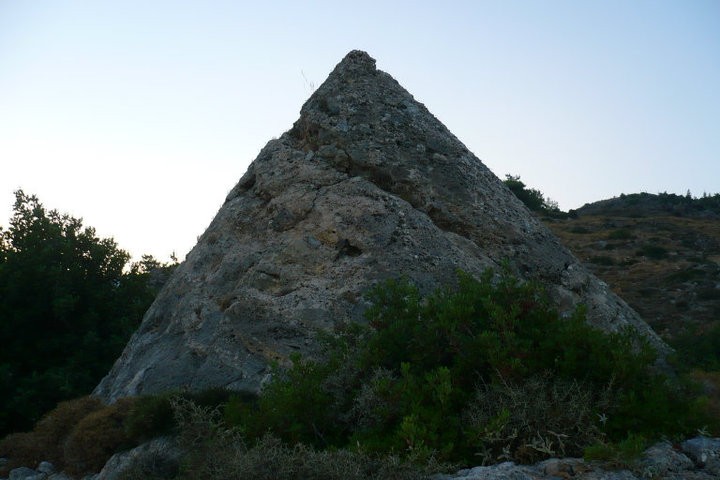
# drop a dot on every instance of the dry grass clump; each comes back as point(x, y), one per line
point(270, 459)
point(535, 418)
point(78, 436)
point(96, 438)
point(216, 452)
point(45, 441)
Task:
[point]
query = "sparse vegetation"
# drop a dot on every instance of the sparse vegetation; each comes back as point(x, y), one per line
point(699, 348)
point(621, 234)
point(682, 266)
point(655, 252)
point(531, 197)
point(638, 205)
point(620, 454)
point(602, 260)
point(217, 452)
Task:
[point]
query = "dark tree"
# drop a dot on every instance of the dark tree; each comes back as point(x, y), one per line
point(531, 197)
point(69, 302)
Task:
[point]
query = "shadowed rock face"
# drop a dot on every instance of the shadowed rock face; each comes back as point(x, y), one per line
point(366, 185)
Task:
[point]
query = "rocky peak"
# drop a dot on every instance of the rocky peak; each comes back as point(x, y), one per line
point(366, 185)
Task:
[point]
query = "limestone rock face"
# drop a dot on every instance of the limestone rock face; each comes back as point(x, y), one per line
point(366, 185)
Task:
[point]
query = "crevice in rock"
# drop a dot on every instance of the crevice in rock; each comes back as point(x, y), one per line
point(347, 249)
point(447, 224)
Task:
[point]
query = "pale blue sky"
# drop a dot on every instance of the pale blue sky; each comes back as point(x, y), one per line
point(139, 116)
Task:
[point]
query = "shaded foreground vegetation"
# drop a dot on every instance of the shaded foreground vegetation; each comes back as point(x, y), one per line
point(487, 371)
point(69, 302)
point(479, 373)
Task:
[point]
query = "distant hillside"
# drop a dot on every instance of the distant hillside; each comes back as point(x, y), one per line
point(660, 253)
point(647, 204)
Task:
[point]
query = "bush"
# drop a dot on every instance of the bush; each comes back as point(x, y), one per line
point(45, 441)
point(602, 260)
point(700, 348)
point(531, 197)
point(621, 234)
point(535, 418)
point(619, 454)
point(96, 438)
point(654, 252)
point(217, 453)
point(408, 382)
point(150, 416)
point(708, 294)
point(487, 369)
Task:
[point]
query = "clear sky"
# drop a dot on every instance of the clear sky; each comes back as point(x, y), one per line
point(139, 116)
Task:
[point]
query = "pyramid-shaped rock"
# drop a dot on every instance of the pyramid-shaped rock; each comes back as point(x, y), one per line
point(367, 185)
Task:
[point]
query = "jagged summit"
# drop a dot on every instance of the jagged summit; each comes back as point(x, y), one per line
point(366, 185)
point(355, 62)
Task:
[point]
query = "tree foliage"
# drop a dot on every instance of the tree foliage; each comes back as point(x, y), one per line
point(531, 197)
point(69, 301)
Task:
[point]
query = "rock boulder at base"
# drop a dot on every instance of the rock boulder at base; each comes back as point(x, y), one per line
point(366, 185)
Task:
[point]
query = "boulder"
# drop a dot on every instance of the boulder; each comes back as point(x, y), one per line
point(25, 473)
point(366, 185)
point(158, 458)
point(662, 459)
point(705, 452)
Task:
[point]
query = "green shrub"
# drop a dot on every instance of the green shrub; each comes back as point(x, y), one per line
point(699, 349)
point(602, 260)
point(621, 234)
point(149, 417)
point(409, 380)
point(627, 262)
point(654, 252)
point(531, 197)
point(709, 294)
point(153, 416)
point(620, 454)
point(212, 397)
point(218, 453)
point(687, 274)
point(298, 406)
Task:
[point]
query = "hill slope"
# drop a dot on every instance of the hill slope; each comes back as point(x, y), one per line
point(660, 253)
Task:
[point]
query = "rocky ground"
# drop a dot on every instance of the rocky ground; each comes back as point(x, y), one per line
point(694, 459)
